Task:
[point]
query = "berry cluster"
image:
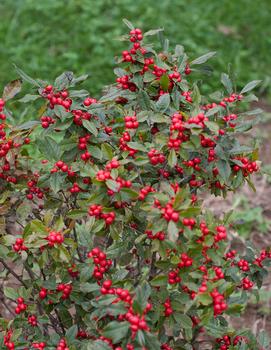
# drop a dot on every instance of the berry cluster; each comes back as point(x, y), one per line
point(168, 310)
point(57, 98)
point(169, 213)
point(33, 189)
point(46, 121)
point(156, 157)
point(189, 222)
point(32, 320)
point(247, 283)
point(144, 192)
point(125, 83)
point(173, 277)
point(82, 143)
point(218, 272)
point(19, 246)
point(54, 237)
point(102, 264)
point(225, 342)
point(65, 289)
point(60, 165)
point(243, 265)
point(75, 188)
point(96, 210)
point(2, 118)
point(185, 261)
point(131, 122)
point(158, 235)
point(221, 233)
point(219, 303)
point(21, 306)
point(193, 163)
point(79, 116)
point(7, 338)
point(187, 96)
point(123, 143)
point(62, 345)
point(247, 166)
point(39, 346)
point(89, 101)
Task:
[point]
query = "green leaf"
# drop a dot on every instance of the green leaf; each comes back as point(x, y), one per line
point(113, 185)
point(76, 213)
point(250, 86)
point(151, 341)
point(107, 151)
point(164, 82)
point(163, 103)
point(153, 31)
point(144, 100)
point(224, 169)
point(264, 339)
point(26, 77)
point(212, 126)
point(204, 298)
point(90, 126)
point(138, 146)
point(172, 158)
point(116, 331)
point(225, 80)
point(56, 181)
point(173, 231)
point(128, 23)
point(143, 293)
point(49, 148)
point(71, 334)
point(98, 345)
point(159, 281)
point(89, 287)
point(184, 320)
point(11, 293)
point(65, 316)
point(203, 58)
point(64, 80)
point(27, 125)
point(28, 98)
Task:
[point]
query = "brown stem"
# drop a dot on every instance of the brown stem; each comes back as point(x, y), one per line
point(13, 273)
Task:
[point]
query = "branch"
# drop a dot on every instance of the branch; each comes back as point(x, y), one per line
point(13, 273)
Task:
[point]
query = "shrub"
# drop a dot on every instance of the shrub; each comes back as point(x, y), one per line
point(112, 248)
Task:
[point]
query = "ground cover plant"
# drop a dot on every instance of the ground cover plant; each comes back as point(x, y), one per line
point(110, 247)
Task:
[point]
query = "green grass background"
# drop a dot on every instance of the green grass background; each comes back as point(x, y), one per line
point(46, 37)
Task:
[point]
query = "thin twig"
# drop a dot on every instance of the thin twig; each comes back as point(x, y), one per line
point(13, 273)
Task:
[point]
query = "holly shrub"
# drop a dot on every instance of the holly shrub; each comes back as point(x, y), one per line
point(105, 243)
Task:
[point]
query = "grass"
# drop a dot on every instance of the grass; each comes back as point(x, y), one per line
point(47, 37)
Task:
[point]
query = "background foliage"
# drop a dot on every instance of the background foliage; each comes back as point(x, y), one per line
point(55, 35)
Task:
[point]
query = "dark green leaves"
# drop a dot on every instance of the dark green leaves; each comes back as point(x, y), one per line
point(144, 100)
point(49, 148)
point(250, 86)
point(26, 77)
point(224, 169)
point(90, 126)
point(116, 331)
point(143, 293)
point(163, 103)
point(203, 58)
point(225, 80)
